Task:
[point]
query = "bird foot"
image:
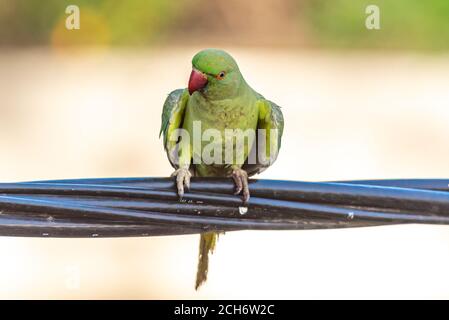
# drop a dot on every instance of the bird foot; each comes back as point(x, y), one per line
point(182, 179)
point(241, 183)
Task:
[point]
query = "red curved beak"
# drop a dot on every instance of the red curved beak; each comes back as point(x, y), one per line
point(197, 81)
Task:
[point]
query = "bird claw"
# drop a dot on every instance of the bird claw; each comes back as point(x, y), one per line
point(240, 178)
point(182, 179)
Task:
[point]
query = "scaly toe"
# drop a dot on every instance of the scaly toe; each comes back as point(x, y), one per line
point(238, 182)
point(187, 181)
point(241, 183)
point(246, 195)
point(182, 179)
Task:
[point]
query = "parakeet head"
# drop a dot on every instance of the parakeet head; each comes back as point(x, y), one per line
point(215, 74)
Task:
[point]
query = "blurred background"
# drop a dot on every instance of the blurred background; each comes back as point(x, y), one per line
point(358, 104)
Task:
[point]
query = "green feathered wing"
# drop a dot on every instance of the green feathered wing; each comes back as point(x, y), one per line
point(172, 118)
point(270, 117)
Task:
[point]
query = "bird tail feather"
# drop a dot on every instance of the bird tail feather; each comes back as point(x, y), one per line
point(208, 241)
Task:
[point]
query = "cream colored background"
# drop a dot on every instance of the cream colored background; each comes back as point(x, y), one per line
point(348, 116)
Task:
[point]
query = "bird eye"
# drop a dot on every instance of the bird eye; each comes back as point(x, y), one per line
point(221, 75)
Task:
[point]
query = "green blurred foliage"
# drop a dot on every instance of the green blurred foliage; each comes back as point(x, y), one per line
point(405, 24)
point(130, 22)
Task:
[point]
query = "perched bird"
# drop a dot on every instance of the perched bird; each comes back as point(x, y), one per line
point(218, 99)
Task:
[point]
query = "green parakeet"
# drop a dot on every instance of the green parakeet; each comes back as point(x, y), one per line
point(218, 98)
